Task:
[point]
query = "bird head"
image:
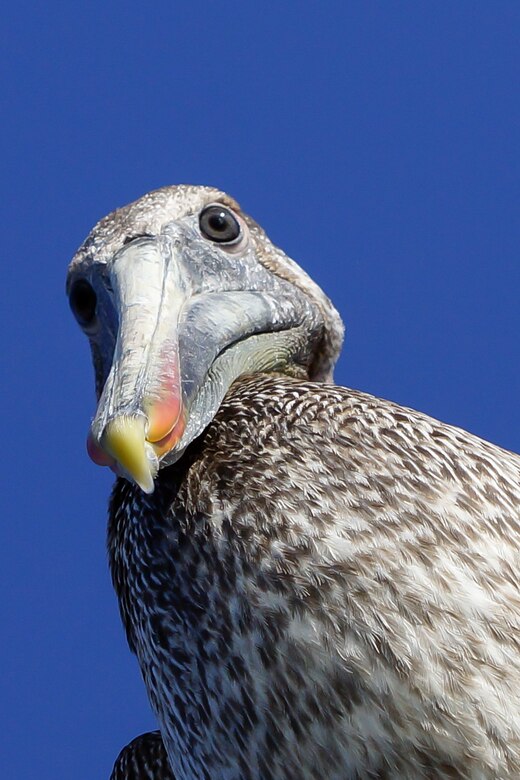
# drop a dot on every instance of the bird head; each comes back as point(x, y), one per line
point(180, 293)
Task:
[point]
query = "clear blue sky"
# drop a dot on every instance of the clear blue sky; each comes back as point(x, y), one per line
point(377, 142)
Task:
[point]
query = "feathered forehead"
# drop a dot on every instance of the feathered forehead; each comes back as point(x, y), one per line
point(149, 214)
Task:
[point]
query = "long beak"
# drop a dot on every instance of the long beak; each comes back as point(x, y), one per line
point(181, 343)
point(140, 413)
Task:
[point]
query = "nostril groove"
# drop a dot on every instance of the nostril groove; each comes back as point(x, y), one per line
point(135, 236)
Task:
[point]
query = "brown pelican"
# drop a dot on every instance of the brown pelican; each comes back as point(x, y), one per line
point(317, 583)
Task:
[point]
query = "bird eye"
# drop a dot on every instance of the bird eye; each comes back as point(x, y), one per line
point(83, 301)
point(219, 224)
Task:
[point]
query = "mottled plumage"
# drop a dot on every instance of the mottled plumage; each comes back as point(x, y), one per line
point(143, 759)
point(324, 585)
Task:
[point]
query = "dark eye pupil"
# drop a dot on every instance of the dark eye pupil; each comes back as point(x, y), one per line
point(83, 302)
point(219, 224)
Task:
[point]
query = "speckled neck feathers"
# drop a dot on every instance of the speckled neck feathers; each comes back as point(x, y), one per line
point(326, 585)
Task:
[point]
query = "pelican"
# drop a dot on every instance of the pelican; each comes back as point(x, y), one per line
point(318, 584)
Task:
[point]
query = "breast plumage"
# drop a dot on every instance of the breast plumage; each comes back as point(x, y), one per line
point(316, 582)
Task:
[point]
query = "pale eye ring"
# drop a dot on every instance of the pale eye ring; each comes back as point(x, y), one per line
point(218, 223)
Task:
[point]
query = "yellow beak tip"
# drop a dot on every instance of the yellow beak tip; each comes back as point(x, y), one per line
point(124, 439)
point(147, 485)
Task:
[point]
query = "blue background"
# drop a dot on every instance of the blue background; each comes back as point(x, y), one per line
point(377, 142)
